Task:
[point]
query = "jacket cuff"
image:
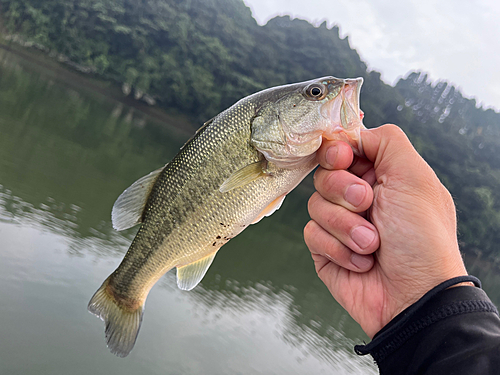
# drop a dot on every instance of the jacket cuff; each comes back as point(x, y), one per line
point(434, 307)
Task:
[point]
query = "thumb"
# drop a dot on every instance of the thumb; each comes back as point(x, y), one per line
point(394, 156)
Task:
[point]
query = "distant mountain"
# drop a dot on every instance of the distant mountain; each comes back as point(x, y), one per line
point(200, 56)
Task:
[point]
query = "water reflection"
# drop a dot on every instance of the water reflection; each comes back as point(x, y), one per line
point(254, 307)
point(59, 219)
point(65, 155)
point(278, 308)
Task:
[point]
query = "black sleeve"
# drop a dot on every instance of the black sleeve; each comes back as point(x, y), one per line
point(448, 331)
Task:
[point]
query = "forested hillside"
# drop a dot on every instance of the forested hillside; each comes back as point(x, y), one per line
point(200, 56)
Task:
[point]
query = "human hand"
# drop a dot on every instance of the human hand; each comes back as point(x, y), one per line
point(383, 234)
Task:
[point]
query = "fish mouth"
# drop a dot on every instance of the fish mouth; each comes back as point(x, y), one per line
point(345, 116)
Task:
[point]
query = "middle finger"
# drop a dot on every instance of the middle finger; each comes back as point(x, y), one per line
point(344, 188)
point(351, 229)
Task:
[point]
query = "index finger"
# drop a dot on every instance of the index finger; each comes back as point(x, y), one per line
point(334, 155)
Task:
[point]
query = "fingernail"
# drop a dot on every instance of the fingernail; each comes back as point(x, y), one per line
point(360, 261)
point(331, 155)
point(363, 236)
point(355, 194)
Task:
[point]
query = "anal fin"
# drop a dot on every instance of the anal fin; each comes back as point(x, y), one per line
point(190, 275)
point(270, 209)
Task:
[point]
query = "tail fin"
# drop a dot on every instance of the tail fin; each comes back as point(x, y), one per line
point(122, 325)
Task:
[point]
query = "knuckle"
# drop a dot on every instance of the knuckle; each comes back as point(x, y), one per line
point(308, 230)
point(328, 184)
point(335, 221)
point(395, 133)
point(393, 130)
point(313, 201)
point(334, 183)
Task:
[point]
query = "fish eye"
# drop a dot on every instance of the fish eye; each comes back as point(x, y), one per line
point(316, 91)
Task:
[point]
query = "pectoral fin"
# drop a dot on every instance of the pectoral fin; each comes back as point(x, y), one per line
point(190, 275)
point(243, 176)
point(270, 209)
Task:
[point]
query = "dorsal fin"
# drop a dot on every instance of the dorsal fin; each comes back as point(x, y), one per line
point(190, 275)
point(128, 208)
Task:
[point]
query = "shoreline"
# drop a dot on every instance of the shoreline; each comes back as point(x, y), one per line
point(108, 89)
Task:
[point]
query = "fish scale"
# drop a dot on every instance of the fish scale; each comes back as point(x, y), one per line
point(236, 169)
point(200, 157)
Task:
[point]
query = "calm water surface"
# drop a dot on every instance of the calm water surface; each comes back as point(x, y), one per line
point(65, 155)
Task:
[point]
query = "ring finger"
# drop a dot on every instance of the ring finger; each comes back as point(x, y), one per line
point(348, 227)
point(326, 248)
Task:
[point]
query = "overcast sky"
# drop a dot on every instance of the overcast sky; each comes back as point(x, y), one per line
point(453, 40)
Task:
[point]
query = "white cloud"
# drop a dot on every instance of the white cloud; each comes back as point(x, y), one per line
point(454, 40)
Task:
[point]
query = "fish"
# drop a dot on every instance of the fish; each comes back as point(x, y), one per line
point(235, 170)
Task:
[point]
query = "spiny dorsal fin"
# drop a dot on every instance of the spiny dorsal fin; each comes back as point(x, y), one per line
point(128, 208)
point(243, 176)
point(190, 275)
point(206, 123)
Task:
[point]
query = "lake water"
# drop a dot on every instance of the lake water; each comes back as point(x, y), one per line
point(66, 153)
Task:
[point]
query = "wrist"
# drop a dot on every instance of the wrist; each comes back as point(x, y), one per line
point(409, 306)
point(416, 298)
point(419, 331)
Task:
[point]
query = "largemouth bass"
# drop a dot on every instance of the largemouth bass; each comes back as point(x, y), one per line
point(236, 169)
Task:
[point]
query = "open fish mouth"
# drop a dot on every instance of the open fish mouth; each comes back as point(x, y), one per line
point(345, 116)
